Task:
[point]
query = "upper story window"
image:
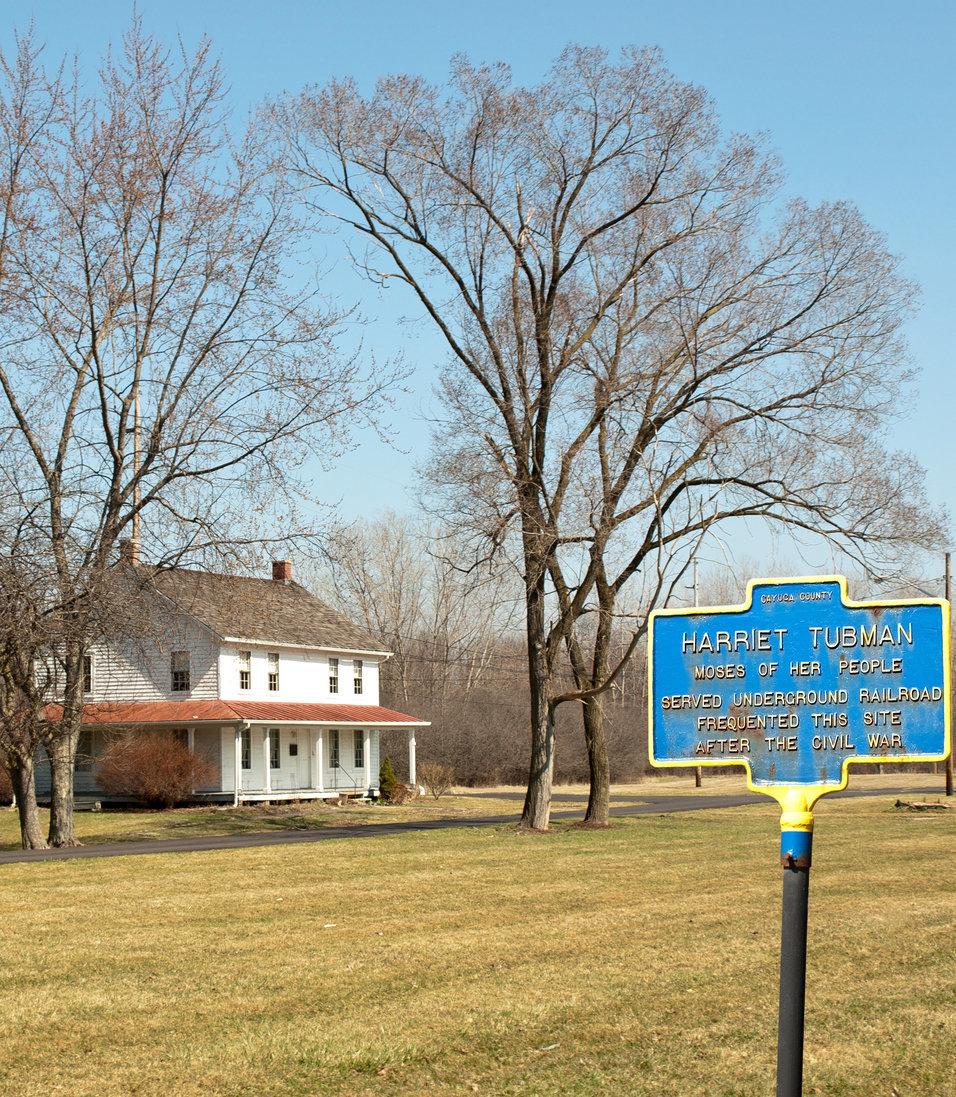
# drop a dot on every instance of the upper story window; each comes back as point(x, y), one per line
point(87, 673)
point(179, 671)
point(357, 675)
point(245, 670)
point(333, 675)
point(273, 670)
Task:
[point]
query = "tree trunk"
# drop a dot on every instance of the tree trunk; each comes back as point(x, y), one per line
point(537, 804)
point(24, 788)
point(599, 767)
point(599, 798)
point(61, 755)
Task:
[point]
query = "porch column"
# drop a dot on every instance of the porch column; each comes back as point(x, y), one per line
point(319, 768)
point(237, 765)
point(367, 755)
point(411, 757)
point(267, 759)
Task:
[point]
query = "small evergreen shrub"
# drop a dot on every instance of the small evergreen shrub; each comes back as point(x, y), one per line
point(154, 769)
point(389, 785)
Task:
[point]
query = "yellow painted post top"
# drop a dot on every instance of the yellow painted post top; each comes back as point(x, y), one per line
point(796, 804)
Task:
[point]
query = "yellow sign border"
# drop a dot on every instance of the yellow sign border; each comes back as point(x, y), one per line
point(801, 798)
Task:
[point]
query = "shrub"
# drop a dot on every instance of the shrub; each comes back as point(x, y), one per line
point(386, 779)
point(400, 793)
point(155, 769)
point(436, 777)
point(391, 790)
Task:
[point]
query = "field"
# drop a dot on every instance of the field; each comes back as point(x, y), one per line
point(638, 960)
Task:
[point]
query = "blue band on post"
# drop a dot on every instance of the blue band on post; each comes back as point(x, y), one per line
point(796, 847)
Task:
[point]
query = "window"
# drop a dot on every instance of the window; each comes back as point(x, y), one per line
point(84, 752)
point(246, 748)
point(359, 749)
point(333, 675)
point(179, 671)
point(87, 673)
point(274, 751)
point(357, 675)
point(333, 748)
point(273, 670)
point(245, 670)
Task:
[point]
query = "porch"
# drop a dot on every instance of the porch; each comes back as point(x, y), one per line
point(296, 762)
point(264, 751)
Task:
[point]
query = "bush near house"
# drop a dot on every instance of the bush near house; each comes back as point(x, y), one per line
point(436, 777)
point(390, 789)
point(155, 769)
point(386, 779)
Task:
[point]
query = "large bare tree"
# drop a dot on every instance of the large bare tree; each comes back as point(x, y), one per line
point(167, 362)
point(645, 340)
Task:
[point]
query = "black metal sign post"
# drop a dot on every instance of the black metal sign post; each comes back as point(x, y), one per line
point(796, 843)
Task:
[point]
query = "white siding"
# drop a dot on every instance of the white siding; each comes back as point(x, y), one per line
point(140, 670)
point(303, 676)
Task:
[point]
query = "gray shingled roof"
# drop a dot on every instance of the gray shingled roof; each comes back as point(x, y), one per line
point(267, 610)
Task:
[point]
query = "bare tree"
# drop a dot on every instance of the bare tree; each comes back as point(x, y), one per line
point(644, 340)
point(377, 572)
point(163, 355)
point(410, 584)
point(25, 685)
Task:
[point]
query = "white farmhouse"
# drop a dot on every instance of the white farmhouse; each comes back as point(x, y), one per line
point(278, 690)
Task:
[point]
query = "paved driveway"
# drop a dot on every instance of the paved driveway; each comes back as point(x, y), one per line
point(635, 804)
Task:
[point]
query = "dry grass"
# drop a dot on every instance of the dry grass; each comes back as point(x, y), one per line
point(96, 828)
point(639, 960)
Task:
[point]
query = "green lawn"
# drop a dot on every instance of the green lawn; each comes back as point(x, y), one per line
point(638, 960)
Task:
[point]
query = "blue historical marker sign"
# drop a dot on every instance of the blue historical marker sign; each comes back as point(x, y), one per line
point(800, 682)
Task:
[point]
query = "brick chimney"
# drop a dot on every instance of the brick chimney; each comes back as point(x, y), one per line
point(129, 552)
point(281, 571)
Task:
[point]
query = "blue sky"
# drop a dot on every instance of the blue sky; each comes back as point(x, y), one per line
point(857, 98)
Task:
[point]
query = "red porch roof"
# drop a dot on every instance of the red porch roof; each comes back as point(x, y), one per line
point(231, 712)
